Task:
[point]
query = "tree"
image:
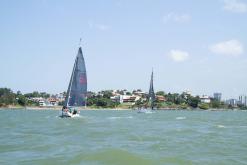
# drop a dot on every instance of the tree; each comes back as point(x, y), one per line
point(35, 94)
point(61, 103)
point(107, 94)
point(193, 101)
point(128, 93)
point(44, 95)
point(101, 102)
point(173, 98)
point(215, 103)
point(91, 101)
point(7, 97)
point(112, 104)
point(121, 92)
point(22, 100)
point(139, 102)
point(161, 93)
point(169, 98)
point(183, 106)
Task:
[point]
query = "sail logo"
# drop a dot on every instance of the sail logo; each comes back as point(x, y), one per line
point(82, 79)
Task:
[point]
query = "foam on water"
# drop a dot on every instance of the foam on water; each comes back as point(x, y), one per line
point(181, 118)
point(149, 112)
point(220, 126)
point(119, 117)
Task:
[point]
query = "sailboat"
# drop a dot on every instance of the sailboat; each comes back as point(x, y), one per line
point(77, 89)
point(150, 100)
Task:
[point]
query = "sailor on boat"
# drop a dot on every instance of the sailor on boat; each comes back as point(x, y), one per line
point(68, 112)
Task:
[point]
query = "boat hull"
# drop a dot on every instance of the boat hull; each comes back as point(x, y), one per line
point(68, 114)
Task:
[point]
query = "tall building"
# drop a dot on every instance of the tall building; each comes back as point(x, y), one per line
point(232, 102)
point(243, 100)
point(217, 96)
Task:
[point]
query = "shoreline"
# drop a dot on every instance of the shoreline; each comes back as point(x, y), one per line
point(56, 108)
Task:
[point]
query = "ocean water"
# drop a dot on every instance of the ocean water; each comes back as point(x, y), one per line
point(104, 137)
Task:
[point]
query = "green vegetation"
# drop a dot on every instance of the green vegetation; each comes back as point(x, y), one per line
point(204, 106)
point(161, 93)
point(37, 94)
point(193, 101)
point(102, 100)
point(183, 106)
point(111, 99)
point(9, 98)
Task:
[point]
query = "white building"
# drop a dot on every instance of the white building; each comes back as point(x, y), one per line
point(42, 103)
point(205, 99)
point(125, 98)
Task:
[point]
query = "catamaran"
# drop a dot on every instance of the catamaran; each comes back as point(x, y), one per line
point(77, 89)
point(151, 98)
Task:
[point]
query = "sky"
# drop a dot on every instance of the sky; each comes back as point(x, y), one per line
point(193, 45)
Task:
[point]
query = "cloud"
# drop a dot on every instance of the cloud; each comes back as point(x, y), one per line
point(235, 6)
point(230, 48)
point(101, 27)
point(178, 55)
point(178, 18)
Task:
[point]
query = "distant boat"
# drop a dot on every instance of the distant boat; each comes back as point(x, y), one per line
point(151, 94)
point(77, 89)
point(150, 100)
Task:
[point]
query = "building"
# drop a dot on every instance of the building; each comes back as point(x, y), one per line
point(53, 101)
point(36, 99)
point(139, 92)
point(42, 103)
point(116, 99)
point(217, 96)
point(205, 99)
point(160, 98)
point(232, 102)
point(125, 98)
point(130, 99)
point(60, 97)
point(243, 100)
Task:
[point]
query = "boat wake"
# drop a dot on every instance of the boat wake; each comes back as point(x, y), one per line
point(145, 111)
point(118, 117)
point(73, 117)
point(180, 118)
point(220, 126)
